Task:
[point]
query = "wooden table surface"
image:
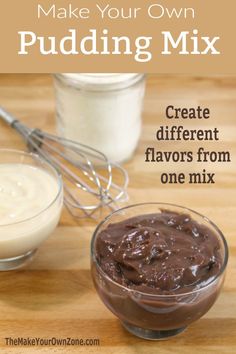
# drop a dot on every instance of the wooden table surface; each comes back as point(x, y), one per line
point(54, 295)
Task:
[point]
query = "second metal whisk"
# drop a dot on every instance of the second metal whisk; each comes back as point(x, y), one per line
point(87, 174)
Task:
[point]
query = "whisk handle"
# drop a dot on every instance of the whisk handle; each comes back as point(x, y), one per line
point(7, 117)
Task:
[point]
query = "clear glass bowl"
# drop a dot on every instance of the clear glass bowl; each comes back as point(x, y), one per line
point(20, 240)
point(156, 316)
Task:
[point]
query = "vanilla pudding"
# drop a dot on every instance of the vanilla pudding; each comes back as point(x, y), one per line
point(30, 205)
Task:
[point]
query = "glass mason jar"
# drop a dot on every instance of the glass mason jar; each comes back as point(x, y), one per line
point(101, 110)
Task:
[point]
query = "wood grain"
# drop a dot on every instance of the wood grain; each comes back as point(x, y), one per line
point(54, 295)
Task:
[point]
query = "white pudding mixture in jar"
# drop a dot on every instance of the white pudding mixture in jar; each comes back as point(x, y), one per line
point(101, 110)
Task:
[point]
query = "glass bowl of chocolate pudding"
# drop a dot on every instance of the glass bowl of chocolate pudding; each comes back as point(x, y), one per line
point(158, 267)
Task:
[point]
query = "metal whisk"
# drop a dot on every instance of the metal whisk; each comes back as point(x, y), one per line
point(88, 176)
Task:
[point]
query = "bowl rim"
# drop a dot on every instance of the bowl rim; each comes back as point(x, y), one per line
point(43, 162)
point(151, 295)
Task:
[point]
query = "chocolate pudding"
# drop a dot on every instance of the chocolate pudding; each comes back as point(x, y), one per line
point(165, 253)
point(157, 271)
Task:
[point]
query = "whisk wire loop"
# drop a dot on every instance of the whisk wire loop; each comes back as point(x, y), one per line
point(83, 168)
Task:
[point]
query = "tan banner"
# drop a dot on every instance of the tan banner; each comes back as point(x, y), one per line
point(184, 36)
